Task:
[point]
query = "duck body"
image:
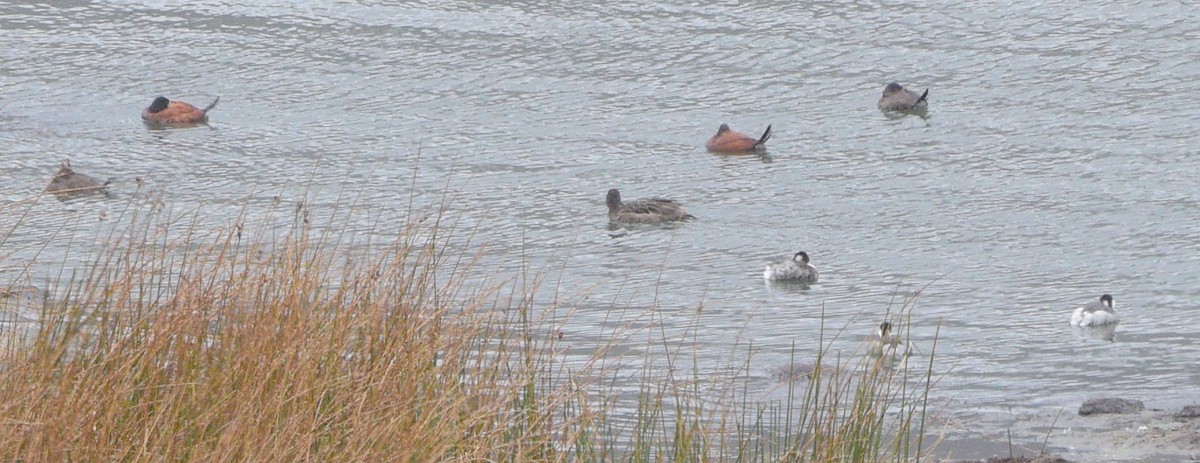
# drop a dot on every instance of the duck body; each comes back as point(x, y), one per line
point(166, 112)
point(897, 98)
point(889, 344)
point(69, 181)
point(795, 269)
point(1096, 313)
point(732, 142)
point(647, 210)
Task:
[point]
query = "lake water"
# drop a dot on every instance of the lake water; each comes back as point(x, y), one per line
point(1057, 162)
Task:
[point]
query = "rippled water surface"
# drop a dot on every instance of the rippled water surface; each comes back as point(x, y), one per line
point(1057, 162)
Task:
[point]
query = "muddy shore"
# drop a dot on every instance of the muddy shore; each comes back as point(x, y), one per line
point(1148, 436)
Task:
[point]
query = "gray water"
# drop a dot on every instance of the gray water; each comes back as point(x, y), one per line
point(1057, 162)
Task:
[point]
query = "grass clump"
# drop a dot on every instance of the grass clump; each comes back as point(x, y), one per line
point(308, 346)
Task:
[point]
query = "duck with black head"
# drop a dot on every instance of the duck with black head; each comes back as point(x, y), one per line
point(729, 141)
point(166, 112)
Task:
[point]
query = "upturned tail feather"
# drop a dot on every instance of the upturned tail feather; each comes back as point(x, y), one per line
point(763, 139)
point(210, 105)
point(923, 97)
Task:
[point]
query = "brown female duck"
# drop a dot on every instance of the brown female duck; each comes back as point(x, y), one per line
point(648, 210)
point(897, 98)
point(68, 181)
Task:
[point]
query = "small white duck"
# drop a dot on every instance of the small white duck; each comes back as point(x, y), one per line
point(795, 269)
point(1095, 313)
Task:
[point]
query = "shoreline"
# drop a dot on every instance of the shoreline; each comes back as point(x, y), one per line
point(1149, 436)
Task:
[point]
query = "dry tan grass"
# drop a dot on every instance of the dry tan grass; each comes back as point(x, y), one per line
point(217, 346)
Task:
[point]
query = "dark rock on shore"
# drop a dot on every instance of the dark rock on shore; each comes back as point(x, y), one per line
point(1110, 405)
point(1190, 411)
point(1041, 459)
point(1021, 459)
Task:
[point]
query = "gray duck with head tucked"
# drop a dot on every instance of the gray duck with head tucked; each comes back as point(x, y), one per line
point(647, 210)
point(69, 181)
point(897, 98)
point(795, 269)
point(1096, 313)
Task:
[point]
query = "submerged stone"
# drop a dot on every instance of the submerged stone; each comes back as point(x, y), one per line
point(1022, 459)
point(1190, 411)
point(1110, 405)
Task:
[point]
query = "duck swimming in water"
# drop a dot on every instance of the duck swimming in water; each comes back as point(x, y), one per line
point(166, 112)
point(889, 344)
point(1095, 313)
point(731, 142)
point(795, 269)
point(68, 181)
point(649, 210)
point(897, 98)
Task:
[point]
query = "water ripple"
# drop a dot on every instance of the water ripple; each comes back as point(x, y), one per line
point(1055, 163)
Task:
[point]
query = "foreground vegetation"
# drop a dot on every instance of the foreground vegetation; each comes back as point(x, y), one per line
point(299, 345)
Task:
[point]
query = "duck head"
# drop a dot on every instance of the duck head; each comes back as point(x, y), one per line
point(613, 199)
point(159, 104)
